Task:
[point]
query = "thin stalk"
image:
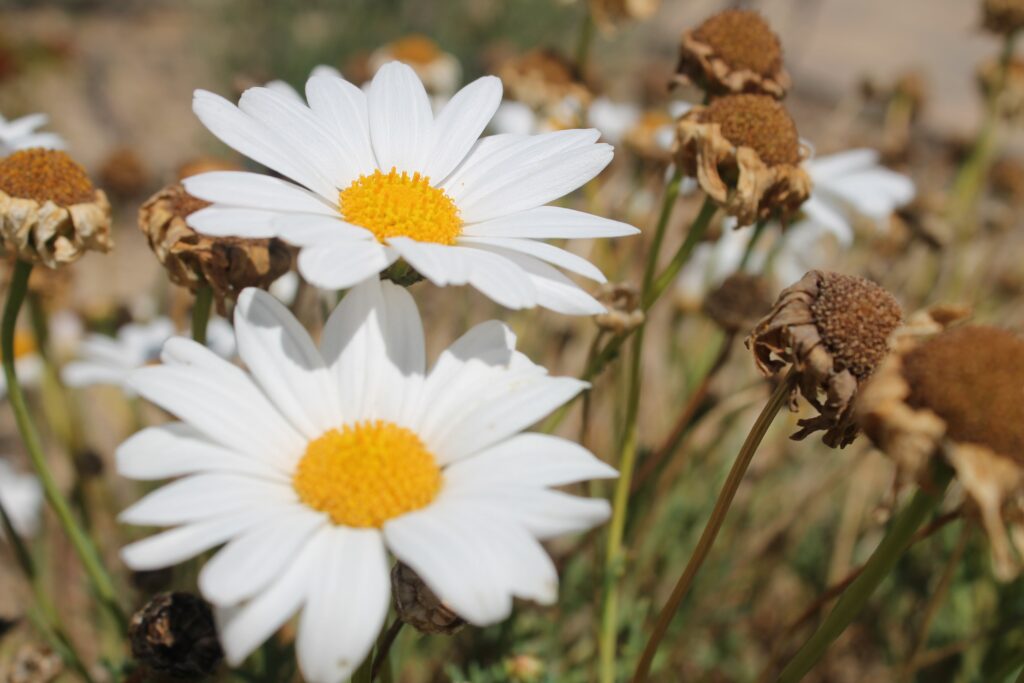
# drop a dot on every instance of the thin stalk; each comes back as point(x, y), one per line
point(584, 40)
point(628, 448)
point(682, 255)
point(878, 566)
point(1020, 676)
point(83, 546)
point(759, 230)
point(778, 399)
point(384, 643)
point(201, 313)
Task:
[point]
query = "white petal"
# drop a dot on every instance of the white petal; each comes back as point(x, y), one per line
point(543, 251)
point(526, 183)
point(346, 605)
point(529, 460)
point(306, 230)
point(242, 629)
point(172, 547)
point(460, 124)
point(84, 374)
point(827, 218)
point(175, 449)
point(840, 164)
point(549, 222)
point(256, 191)
point(285, 363)
point(401, 123)
point(340, 265)
point(203, 496)
point(342, 108)
point(544, 513)
point(496, 277)
point(247, 564)
point(219, 400)
point(228, 221)
point(250, 137)
point(554, 290)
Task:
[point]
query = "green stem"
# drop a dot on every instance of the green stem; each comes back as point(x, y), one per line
point(83, 546)
point(878, 566)
point(682, 255)
point(759, 230)
point(585, 40)
point(778, 399)
point(201, 313)
point(381, 658)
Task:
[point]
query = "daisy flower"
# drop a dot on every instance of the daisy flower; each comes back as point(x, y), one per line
point(111, 360)
point(377, 177)
point(22, 134)
point(318, 461)
point(22, 498)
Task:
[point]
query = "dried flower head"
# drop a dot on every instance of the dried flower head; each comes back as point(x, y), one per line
point(745, 152)
point(834, 330)
point(651, 137)
point(174, 633)
point(734, 51)
point(34, 664)
point(622, 301)
point(1007, 88)
point(739, 302)
point(227, 264)
point(543, 78)
point(609, 13)
point(123, 173)
point(50, 213)
point(957, 394)
point(1003, 16)
point(417, 605)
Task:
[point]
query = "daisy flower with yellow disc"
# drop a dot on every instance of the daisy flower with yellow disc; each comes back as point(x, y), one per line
point(374, 177)
point(316, 463)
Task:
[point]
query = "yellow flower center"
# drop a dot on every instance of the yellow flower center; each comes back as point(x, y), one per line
point(399, 205)
point(367, 473)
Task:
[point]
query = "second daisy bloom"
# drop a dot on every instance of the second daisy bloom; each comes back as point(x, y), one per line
point(378, 177)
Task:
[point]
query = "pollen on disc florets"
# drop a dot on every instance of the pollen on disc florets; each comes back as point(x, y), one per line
point(399, 205)
point(743, 40)
point(45, 175)
point(364, 474)
point(758, 122)
point(973, 378)
point(855, 318)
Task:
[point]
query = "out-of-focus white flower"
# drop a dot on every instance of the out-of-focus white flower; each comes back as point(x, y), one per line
point(22, 498)
point(22, 133)
point(377, 178)
point(850, 185)
point(613, 119)
point(286, 287)
point(440, 71)
point(316, 462)
point(110, 360)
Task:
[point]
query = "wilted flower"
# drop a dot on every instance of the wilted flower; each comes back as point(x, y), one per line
point(226, 264)
point(544, 78)
point(622, 303)
point(652, 137)
point(1003, 16)
point(956, 395)
point(1006, 87)
point(22, 498)
point(123, 173)
point(439, 70)
point(387, 181)
point(174, 634)
point(745, 153)
point(50, 213)
point(316, 462)
point(417, 605)
point(21, 134)
point(734, 51)
point(833, 330)
point(739, 302)
point(111, 360)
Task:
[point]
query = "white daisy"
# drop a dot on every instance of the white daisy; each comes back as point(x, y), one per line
point(613, 119)
point(378, 177)
point(318, 461)
point(22, 134)
point(22, 498)
point(850, 185)
point(110, 360)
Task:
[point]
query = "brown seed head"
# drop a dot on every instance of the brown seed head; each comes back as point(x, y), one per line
point(743, 40)
point(739, 302)
point(758, 122)
point(174, 633)
point(973, 378)
point(855, 317)
point(45, 174)
point(1003, 16)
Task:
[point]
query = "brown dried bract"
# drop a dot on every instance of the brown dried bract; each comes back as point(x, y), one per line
point(417, 605)
point(745, 153)
point(227, 264)
point(1003, 16)
point(622, 301)
point(834, 330)
point(734, 51)
point(50, 213)
point(956, 394)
